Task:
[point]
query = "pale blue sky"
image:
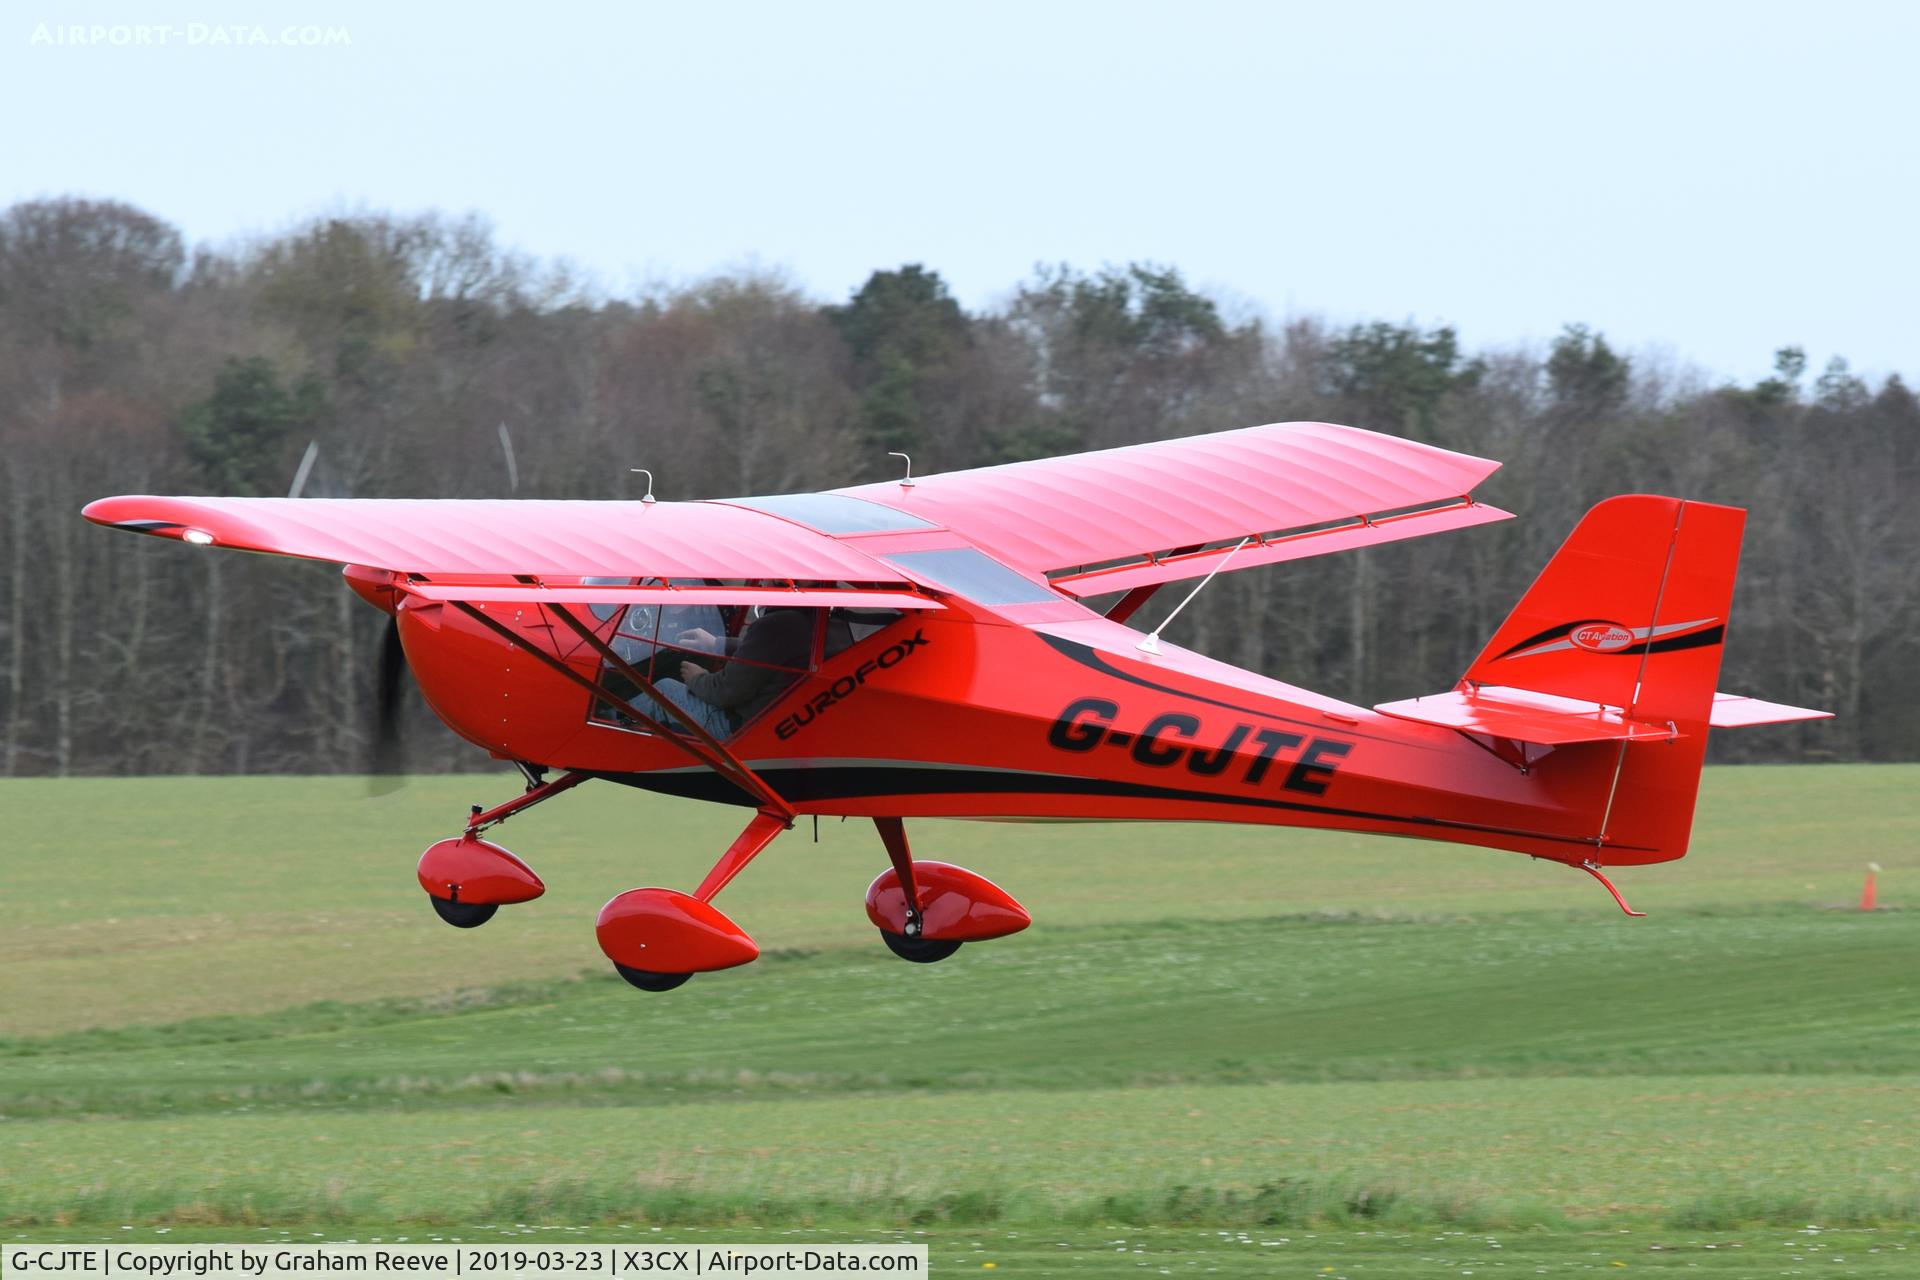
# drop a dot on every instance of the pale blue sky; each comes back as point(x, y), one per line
point(1711, 179)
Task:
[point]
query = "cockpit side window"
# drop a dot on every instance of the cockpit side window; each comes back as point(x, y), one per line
point(605, 611)
point(848, 627)
point(719, 674)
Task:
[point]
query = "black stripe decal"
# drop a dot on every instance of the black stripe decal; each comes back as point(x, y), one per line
point(1551, 633)
point(858, 782)
point(1692, 640)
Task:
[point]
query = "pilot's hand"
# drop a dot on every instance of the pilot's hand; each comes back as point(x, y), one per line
point(691, 671)
point(699, 638)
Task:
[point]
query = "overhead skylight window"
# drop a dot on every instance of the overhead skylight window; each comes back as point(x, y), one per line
point(835, 513)
point(975, 575)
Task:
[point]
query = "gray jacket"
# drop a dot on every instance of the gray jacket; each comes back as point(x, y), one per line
point(780, 636)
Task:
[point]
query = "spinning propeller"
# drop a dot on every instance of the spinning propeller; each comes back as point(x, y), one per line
point(386, 760)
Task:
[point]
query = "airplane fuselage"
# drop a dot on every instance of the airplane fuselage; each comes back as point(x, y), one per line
point(1045, 711)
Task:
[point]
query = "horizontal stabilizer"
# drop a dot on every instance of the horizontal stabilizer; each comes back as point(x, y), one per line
point(1542, 719)
point(1731, 711)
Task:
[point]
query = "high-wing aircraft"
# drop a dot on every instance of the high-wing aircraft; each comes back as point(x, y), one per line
point(926, 648)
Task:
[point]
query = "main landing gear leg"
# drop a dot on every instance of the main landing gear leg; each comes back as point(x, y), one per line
point(658, 938)
point(925, 910)
point(909, 943)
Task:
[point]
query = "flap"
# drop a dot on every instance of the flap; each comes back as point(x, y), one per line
point(1281, 547)
point(771, 597)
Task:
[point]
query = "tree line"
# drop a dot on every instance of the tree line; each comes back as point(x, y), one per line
point(421, 358)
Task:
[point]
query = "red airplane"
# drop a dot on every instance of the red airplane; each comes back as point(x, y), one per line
point(924, 649)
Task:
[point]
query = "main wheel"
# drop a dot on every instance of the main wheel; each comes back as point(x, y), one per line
point(463, 915)
point(919, 950)
point(647, 980)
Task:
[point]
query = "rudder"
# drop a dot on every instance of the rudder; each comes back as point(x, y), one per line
point(1631, 613)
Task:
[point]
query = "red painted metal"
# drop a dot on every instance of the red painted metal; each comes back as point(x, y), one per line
point(378, 587)
point(957, 714)
point(1593, 870)
point(695, 742)
point(663, 931)
point(480, 821)
point(1524, 716)
point(506, 537)
point(1129, 604)
point(746, 846)
point(1046, 710)
point(710, 751)
point(1351, 536)
point(956, 905)
point(893, 834)
point(788, 597)
point(1088, 509)
point(475, 871)
point(1731, 711)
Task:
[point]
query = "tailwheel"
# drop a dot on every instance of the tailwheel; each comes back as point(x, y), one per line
point(647, 980)
point(919, 950)
point(463, 915)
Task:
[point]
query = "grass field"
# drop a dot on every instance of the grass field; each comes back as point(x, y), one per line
point(227, 1010)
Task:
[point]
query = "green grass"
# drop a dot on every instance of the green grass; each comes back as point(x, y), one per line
point(1345, 1253)
point(281, 891)
point(1211, 1038)
point(1783, 991)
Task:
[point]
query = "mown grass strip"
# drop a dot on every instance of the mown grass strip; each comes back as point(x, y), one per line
point(1289, 999)
point(1282, 1203)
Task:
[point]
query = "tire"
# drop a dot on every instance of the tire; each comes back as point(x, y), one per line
point(463, 915)
point(647, 980)
point(919, 950)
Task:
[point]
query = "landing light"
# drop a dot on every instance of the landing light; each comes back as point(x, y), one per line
point(198, 537)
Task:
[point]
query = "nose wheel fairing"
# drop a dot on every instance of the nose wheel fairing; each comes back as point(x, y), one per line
point(469, 878)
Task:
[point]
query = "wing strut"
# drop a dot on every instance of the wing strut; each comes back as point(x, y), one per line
point(736, 767)
point(707, 750)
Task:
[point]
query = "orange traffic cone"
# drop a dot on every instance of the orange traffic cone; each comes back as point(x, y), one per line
point(1867, 895)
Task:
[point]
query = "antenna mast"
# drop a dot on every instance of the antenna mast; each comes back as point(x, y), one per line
point(1152, 643)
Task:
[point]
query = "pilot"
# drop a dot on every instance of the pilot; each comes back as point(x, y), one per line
point(768, 654)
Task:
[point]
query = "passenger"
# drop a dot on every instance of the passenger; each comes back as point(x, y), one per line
point(770, 653)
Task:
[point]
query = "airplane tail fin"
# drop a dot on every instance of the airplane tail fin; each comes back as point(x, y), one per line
point(1629, 613)
point(1609, 663)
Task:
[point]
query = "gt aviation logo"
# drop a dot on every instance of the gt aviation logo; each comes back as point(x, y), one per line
point(1601, 637)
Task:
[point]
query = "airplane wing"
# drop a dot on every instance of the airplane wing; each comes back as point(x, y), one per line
point(1144, 514)
point(505, 538)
